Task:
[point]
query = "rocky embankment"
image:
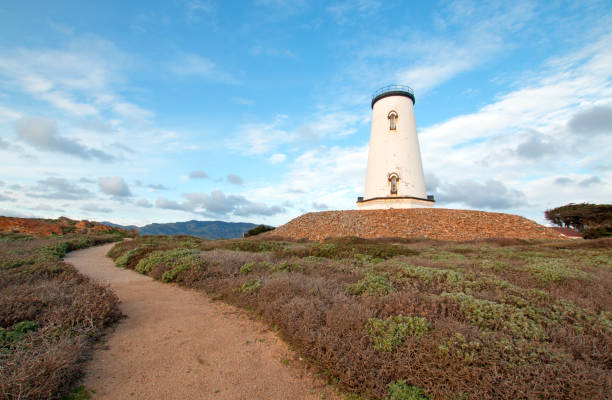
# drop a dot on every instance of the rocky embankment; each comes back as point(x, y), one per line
point(49, 227)
point(433, 223)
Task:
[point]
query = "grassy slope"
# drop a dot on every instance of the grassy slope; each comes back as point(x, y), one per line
point(48, 314)
point(486, 320)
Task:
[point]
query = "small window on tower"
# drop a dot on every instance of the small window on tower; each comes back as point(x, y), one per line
point(394, 184)
point(392, 120)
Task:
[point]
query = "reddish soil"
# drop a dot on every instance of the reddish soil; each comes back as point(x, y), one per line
point(433, 223)
point(47, 227)
point(178, 344)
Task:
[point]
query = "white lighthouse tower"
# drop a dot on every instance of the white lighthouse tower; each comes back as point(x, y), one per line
point(394, 178)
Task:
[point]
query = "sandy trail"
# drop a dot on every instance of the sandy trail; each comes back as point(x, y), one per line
point(178, 344)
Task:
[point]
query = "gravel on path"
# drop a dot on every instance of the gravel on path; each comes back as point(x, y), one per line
point(177, 343)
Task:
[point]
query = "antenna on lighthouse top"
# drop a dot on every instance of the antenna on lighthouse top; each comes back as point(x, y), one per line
point(393, 90)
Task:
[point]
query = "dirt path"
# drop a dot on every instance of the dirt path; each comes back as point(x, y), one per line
point(178, 344)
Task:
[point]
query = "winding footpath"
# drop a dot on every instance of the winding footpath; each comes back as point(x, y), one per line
point(178, 344)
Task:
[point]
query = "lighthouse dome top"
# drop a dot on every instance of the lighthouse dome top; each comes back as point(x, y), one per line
point(393, 90)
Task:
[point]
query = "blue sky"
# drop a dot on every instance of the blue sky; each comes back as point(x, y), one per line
point(144, 111)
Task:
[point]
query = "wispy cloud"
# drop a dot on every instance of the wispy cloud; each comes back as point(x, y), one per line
point(218, 203)
point(194, 65)
point(43, 135)
point(78, 79)
point(262, 138)
point(343, 12)
point(59, 188)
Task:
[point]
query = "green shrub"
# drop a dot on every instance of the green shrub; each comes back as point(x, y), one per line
point(123, 259)
point(174, 261)
point(253, 246)
point(250, 266)
point(490, 315)
point(172, 274)
point(373, 284)
point(458, 347)
point(247, 268)
point(79, 393)
point(259, 229)
point(400, 390)
point(12, 236)
point(494, 265)
point(57, 250)
point(251, 286)
point(339, 249)
point(17, 332)
point(285, 266)
point(428, 275)
point(550, 270)
point(367, 259)
point(391, 332)
point(442, 255)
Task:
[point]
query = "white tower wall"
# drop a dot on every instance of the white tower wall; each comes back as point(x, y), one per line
point(394, 153)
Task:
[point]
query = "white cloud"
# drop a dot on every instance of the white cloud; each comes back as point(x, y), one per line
point(218, 204)
point(95, 208)
point(78, 79)
point(114, 186)
point(59, 188)
point(243, 101)
point(194, 65)
point(277, 158)
point(8, 114)
point(261, 138)
point(492, 195)
point(43, 135)
point(144, 203)
point(343, 12)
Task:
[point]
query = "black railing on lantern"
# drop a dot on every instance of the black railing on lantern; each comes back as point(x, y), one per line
point(391, 90)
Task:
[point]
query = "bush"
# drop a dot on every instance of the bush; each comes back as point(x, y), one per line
point(374, 284)
point(458, 347)
point(259, 229)
point(252, 246)
point(17, 332)
point(49, 315)
point(547, 270)
point(251, 286)
point(593, 220)
point(400, 390)
point(172, 262)
point(391, 332)
point(490, 315)
point(250, 266)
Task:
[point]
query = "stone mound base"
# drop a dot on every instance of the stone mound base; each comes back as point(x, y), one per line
point(432, 223)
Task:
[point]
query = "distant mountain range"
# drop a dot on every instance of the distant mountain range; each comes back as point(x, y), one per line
point(203, 229)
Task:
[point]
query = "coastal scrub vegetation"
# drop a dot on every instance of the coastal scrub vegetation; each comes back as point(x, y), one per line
point(49, 314)
point(416, 319)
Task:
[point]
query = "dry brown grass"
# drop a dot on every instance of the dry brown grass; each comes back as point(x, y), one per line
point(506, 319)
point(63, 310)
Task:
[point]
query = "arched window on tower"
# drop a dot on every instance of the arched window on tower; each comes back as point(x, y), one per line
point(392, 120)
point(393, 181)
